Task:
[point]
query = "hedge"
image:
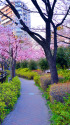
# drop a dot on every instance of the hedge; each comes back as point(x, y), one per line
point(9, 92)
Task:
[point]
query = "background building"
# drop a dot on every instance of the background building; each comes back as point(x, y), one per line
point(25, 15)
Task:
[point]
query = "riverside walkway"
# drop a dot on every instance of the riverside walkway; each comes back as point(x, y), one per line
point(30, 108)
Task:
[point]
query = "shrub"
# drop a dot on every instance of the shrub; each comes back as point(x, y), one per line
point(2, 110)
point(38, 71)
point(37, 80)
point(17, 65)
point(67, 56)
point(61, 59)
point(45, 81)
point(43, 64)
point(65, 74)
point(8, 96)
point(61, 112)
point(24, 64)
point(32, 65)
point(26, 73)
point(58, 91)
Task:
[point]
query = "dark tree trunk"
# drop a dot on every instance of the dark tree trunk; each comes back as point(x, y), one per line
point(13, 68)
point(50, 58)
point(52, 65)
point(12, 65)
point(53, 70)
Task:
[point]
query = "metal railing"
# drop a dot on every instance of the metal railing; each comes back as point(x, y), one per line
point(3, 75)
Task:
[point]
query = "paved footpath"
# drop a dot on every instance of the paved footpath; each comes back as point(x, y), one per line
point(30, 108)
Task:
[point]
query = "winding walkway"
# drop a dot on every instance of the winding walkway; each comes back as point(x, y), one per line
point(30, 108)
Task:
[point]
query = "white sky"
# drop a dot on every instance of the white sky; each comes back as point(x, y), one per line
point(36, 20)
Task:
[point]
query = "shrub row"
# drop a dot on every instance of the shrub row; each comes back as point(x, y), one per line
point(60, 112)
point(26, 73)
point(58, 96)
point(62, 61)
point(9, 92)
point(33, 65)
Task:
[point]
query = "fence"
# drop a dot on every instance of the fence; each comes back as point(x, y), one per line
point(3, 76)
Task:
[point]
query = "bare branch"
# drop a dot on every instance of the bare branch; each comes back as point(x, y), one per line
point(49, 6)
point(35, 36)
point(63, 36)
point(53, 5)
point(63, 42)
point(63, 18)
point(39, 10)
point(44, 1)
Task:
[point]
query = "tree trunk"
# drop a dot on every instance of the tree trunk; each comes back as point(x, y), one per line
point(13, 68)
point(53, 70)
point(12, 65)
point(50, 58)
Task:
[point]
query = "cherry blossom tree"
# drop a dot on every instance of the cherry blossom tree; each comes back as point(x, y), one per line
point(14, 49)
point(8, 47)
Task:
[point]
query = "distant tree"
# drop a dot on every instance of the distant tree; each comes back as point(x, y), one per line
point(9, 47)
point(14, 49)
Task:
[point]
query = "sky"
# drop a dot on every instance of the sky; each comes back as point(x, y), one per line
point(36, 20)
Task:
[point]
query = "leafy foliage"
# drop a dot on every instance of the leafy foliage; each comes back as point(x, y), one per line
point(32, 65)
point(9, 92)
point(24, 64)
point(65, 74)
point(37, 80)
point(17, 65)
point(63, 60)
point(61, 112)
point(43, 64)
point(26, 73)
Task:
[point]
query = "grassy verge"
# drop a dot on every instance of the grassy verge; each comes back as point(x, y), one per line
point(9, 92)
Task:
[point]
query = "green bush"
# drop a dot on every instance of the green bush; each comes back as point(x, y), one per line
point(43, 64)
point(37, 80)
point(24, 64)
point(17, 65)
point(9, 92)
point(32, 65)
point(2, 110)
point(26, 73)
point(62, 59)
point(60, 112)
point(67, 56)
point(65, 74)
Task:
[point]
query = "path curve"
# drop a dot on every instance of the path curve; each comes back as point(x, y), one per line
point(30, 108)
